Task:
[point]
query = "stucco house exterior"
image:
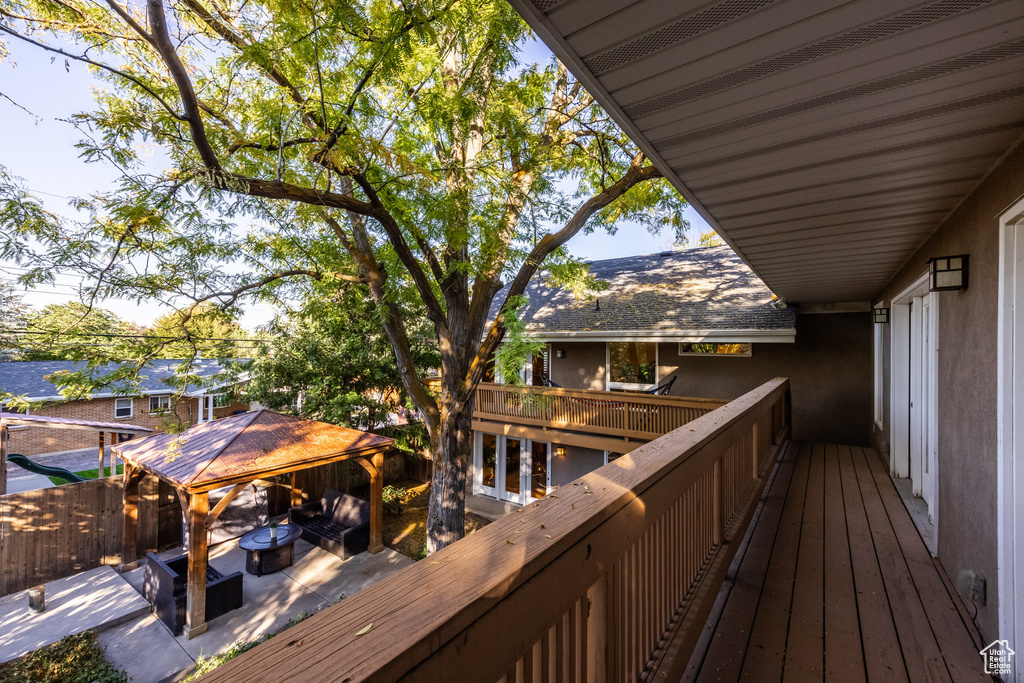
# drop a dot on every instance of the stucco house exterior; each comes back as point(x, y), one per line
point(154, 406)
point(694, 323)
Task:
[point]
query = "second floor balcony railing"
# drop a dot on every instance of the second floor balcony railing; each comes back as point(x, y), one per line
point(610, 580)
point(639, 416)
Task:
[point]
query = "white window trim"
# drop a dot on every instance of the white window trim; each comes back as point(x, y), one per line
point(690, 354)
point(131, 407)
point(630, 386)
point(160, 398)
point(879, 402)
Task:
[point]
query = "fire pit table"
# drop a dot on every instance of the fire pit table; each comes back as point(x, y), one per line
point(264, 555)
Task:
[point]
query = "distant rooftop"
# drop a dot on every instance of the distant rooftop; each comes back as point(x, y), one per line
point(687, 293)
point(32, 379)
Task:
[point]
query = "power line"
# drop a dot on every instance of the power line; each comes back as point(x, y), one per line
point(140, 336)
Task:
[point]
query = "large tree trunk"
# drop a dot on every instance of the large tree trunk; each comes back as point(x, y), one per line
point(452, 447)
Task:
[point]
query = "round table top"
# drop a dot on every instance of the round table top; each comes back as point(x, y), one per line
point(259, 539)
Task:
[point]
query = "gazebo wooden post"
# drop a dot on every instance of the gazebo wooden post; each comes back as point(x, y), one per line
point(377, 504)
point(198, 555)
point(129, 555)
point(296, 496)
point(3, 459)
point(99, 473)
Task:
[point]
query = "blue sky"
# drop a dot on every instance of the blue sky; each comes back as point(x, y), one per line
point(39, 148)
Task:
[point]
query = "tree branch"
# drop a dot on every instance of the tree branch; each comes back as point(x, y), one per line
point(164, 46)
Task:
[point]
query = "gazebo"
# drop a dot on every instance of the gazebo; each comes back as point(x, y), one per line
point(236, 451)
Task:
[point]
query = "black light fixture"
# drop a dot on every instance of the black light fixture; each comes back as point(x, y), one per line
point(881, 315)
point(947, 273)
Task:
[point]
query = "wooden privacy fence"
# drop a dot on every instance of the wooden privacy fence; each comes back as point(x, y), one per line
point(609, 579)
point(50, 533)
point(598, 412)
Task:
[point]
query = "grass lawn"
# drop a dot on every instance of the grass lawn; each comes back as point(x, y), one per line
point(88, 474)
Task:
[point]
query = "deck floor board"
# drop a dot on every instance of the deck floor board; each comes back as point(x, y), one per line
point(836, 584)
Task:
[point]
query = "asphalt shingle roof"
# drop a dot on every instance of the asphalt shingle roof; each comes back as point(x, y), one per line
point(29, 378)
point(690, 290)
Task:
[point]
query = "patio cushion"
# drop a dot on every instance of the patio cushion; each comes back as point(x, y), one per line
point(329, 502)
point(350, 511)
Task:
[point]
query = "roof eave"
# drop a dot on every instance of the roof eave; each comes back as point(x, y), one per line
point(779, 336)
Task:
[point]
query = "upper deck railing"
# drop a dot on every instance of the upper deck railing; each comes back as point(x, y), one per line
point(609, 579)
point(640, 416)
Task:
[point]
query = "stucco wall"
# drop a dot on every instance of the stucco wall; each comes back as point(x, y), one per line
point(583, 365)
point(967, 366)
point(829, 368)
point(574, 464)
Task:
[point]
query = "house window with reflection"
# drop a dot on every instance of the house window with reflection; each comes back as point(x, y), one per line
point(632, 365)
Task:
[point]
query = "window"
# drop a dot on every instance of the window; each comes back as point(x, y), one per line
point(159, 404)
point(714, 349)
point(122, 407)
point(221, 400)
point(632, 365)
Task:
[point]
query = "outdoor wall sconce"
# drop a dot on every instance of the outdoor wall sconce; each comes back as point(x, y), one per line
point(560, 353)
point(560, 451)
point(946, 273)
point(881, 315)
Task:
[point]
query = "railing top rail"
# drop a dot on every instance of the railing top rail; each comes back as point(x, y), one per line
point(624, 396)
point(387, 630)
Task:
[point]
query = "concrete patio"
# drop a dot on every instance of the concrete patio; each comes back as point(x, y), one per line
point(103, 600)
point(95, 599)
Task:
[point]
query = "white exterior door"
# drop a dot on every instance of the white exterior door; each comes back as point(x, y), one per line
point(1010, 421)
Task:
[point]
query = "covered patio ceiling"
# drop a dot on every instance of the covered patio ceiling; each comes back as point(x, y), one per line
point(823, 140)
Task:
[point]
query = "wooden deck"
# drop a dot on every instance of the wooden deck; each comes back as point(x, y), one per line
point(833, 582)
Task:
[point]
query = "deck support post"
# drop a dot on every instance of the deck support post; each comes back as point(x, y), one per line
point(377, 504)
point(756, 471)
point(130, 535)
point(198, 555)
point(3, 459)
point(716, 502)
point(99, 472)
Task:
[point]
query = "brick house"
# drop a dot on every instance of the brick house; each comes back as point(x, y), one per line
point(155, 407)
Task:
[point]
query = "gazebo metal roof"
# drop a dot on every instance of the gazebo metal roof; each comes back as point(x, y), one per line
point(242, 447)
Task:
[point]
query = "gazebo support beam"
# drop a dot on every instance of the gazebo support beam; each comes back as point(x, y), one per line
point(296, 491)
point(130, 536)
point(377, 504)
point(198, 555)
point(3, 459)
point(99, 472)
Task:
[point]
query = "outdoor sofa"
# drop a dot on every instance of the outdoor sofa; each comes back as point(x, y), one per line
point(338, 522)
point(165, 587)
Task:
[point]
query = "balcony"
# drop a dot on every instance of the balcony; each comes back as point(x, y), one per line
point(649, 568)
point(632, 416)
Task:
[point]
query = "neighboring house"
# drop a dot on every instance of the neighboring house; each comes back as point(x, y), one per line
point(694, 323)
point(155, 406)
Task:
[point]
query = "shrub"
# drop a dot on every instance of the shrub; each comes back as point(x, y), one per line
point(74, 659)
point(393, 497)
point(207, 664)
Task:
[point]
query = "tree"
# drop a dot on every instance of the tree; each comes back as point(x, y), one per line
point(399, 145)
point(334, 363)
point(70, 331)
point(12, 319)
point(208, 330)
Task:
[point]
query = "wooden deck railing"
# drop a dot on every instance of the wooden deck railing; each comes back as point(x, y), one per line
point(609, 579)
point(638, 416)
